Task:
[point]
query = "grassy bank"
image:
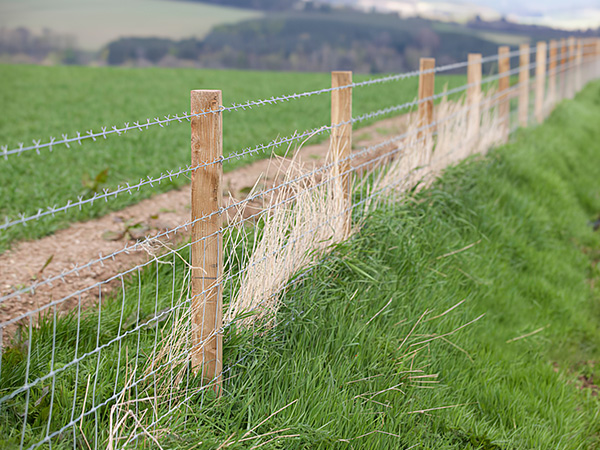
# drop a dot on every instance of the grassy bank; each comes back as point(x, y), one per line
point(504, 239)
point(40, 102)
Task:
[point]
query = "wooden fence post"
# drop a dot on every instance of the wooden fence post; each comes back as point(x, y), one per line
point(552, 73)
point(597, 74)
point(524, 85)
point(426, 90)
point(474, 94)
point(540, 81)
point(589, 57)
point(341, 136)
point(563, 73)
point(579, 63)
point(571, 68)
point(586, 55)
point(503, 86)
point(207, 238)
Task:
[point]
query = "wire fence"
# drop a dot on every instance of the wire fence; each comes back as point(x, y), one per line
point(111, 362)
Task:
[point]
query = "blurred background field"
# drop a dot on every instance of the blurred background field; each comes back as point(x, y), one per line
point(94, 23)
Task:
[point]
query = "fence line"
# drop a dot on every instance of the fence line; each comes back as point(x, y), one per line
point(170, 231)
point(184, 226)
point(169, 326)
point(168, 119)
point(278, 142)
point(166, 234)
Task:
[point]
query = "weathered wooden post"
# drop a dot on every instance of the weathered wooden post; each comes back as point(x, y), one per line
point(597, 57)
point(571, 68)
point(552, 73)
point(563, 68)
point(579, 64)
point(341, 135)
point(524, 85)
point(540, 81)
point(426, 91)
point(503, 86)
point(474, 94)
point(207, 238)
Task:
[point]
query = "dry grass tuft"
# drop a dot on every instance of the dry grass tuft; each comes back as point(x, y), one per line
point(301, 220)
point(426, 154)
point(307, 216)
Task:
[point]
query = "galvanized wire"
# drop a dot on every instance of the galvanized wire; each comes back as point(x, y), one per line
point(166, 120)
point(167, 233)
point(170, 175)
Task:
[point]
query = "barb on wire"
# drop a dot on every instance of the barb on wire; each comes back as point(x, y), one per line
point(170, 118)
point(261, 147)
point(107, 194)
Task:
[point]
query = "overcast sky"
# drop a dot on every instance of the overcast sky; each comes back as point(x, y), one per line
point(515, 6)
point(507, 6)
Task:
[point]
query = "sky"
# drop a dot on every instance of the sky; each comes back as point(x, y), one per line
point(571, 14)
point(511, 6)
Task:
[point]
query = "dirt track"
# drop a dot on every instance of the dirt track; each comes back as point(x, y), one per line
point(85, 241)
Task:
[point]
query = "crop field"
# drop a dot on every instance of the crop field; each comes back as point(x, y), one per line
point(94, 23)
point(465, 317)
point(44, 102)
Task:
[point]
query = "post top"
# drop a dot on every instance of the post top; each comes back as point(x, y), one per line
point(205, 91)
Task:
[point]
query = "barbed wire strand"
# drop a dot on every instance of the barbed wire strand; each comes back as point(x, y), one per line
point(175, 230)
point(185, 116)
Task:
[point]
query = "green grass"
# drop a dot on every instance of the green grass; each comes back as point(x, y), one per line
point(39, 102)
point(523, 213)
point(94, 23)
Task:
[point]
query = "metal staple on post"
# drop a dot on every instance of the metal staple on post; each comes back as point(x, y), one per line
point(207, 238)
point(341, 136)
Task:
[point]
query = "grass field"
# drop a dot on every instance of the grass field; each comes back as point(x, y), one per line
point(94, 23)
point(507, 234)
point(39, 102)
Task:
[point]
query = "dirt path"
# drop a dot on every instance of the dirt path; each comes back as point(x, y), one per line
point(86, 241)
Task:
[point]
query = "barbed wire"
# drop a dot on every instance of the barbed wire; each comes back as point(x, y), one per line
point(107, 193)
point(134, 247)
point(167, 119)
point(185, 116)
